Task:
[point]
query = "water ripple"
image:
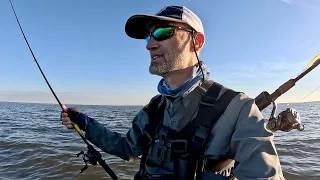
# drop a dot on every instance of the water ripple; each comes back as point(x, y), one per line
point(34, 144)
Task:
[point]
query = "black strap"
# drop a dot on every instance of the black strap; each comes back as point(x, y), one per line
point(211, 109)
point(152, 107)
point(205, 118)
point(198, 130)
point(155, 115)
point(209, 116)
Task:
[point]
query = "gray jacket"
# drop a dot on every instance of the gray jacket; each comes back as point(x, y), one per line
point(240, 133)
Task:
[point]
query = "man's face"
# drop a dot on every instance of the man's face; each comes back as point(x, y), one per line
point(171, 54)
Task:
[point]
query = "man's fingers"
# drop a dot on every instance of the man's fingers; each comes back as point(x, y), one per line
point(66, 122)
point(70, 126)
point(64, 114)
point(65, 119)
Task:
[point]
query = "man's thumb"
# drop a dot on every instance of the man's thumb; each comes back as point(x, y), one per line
point(64, 108)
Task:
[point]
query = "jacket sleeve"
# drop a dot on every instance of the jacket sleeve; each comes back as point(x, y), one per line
point(252, 146)
point(123, 146)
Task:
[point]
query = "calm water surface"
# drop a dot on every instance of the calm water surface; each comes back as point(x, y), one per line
point(35, 145)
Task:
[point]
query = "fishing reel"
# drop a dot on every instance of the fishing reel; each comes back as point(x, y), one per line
point(90, 156)
point(286, 121)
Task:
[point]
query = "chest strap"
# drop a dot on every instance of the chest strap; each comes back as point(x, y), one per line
point(197, 131)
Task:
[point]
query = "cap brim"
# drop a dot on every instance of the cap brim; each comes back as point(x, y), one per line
point(137, 25)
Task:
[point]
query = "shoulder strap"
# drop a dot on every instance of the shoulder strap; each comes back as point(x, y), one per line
point(210, 110)
point(152, 107)
point(155, 110)
point(155, 114)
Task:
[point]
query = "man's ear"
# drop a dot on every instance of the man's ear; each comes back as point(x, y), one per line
point(199, 40)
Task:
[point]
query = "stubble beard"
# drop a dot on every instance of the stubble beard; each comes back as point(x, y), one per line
point(170, 62)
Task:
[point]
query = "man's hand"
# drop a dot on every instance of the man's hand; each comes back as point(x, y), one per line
point(74, 115)
point(65, 118)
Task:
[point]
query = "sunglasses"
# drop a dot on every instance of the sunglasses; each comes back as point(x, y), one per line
point(163, 33)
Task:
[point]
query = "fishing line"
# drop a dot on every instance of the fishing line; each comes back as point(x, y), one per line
point(92, 156)
point(34, 55)
point(35, 59)
point(310, 93)
point(264, 99)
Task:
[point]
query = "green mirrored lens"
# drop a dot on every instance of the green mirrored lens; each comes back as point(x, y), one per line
point(162, 33)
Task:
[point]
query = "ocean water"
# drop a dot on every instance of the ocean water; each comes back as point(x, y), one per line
point(35, 145)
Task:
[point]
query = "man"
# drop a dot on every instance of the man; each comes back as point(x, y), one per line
point(195, 125)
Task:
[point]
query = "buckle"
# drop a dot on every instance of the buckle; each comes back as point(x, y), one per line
point(199, 140)
point(161, 150)
point(201, 133)
point(178, 145)
point(208, 101)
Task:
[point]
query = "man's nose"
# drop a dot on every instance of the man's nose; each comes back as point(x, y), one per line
point(152, 44)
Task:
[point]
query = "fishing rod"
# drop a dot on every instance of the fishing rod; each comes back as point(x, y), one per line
point(92, 156)
point(288, 119)
point(264, 99)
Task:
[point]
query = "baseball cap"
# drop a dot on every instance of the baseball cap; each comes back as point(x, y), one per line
point(137, 25)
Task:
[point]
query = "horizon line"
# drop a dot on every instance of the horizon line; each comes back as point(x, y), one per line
point(51, 103)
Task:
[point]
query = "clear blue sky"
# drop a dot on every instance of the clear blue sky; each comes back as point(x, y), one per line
point(82, 48)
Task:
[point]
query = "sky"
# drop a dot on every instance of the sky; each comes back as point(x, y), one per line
point(251, 46)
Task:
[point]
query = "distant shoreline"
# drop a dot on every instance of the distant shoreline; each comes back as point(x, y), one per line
point(52, 103)
point(49, 103)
